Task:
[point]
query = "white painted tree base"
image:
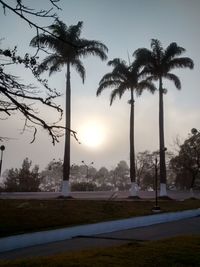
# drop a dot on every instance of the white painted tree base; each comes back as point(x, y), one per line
point(65, 189)
point(163, 190)
point(134, 190)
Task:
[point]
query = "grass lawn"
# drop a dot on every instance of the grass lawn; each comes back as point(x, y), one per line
point(179, 252)
point(20, 216)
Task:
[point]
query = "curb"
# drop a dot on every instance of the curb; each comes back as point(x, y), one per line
point(44, 237)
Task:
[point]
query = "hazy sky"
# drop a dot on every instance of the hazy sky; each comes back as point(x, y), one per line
point(124, 26)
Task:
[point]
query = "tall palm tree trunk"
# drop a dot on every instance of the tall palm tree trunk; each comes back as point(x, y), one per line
point(66, 162)
point(163, 191)
point(134, 187)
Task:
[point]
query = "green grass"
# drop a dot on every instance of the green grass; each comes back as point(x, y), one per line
point(173, 252)
point(20, 216)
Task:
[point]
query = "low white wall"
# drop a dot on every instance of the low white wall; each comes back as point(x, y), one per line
point(43, 237)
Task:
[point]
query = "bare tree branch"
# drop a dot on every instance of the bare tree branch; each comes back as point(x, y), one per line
point(21, 11)
point(13, 94)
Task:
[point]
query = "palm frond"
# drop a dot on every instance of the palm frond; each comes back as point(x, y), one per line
point(93, 43)
point(122, 88)
point(94, 52)
point(156, 46)
point(111, 77)
point(56, 67)
point(117, 62)
point(50, 61)
point(74, 31)
point(117, 92)
point(171, 51)
point(123, 70)
point(46, 41)
point(91, 47)
point(172, 77)
point(79, 68)
point(142, 55)
point(151, 78)
point(59, 28)
point(181, 62)
point(145, 84)
point(157, 50)
point(148, 71)
point(113, 95)
point(107, 84)
point(120, 69)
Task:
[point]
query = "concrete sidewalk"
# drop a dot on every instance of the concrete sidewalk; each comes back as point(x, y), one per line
point(98, 195)
point(56, 235)
point(154, 232)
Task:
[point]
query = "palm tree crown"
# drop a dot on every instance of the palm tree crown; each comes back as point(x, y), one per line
point(159, 62)
point(63, 52)
point(122, 78)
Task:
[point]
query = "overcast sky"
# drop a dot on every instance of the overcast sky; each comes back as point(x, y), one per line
point(123, 26)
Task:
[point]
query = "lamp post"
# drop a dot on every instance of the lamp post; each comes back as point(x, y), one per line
point(156, 208)
point(87, 167)
point(2, 148)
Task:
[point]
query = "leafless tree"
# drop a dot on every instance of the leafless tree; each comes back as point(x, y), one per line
point(29, 14)
point(19, 97)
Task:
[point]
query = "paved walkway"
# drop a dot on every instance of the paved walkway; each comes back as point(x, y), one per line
point(154, 232)
point(104, 195)
point(123, 195)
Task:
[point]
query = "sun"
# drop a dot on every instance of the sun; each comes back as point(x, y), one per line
point(92, 135)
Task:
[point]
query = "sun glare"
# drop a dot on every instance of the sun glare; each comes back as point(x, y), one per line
point(92, 135)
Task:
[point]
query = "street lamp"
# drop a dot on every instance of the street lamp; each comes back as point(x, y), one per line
point(87, 166)
point(2, 148)
point(156, 208)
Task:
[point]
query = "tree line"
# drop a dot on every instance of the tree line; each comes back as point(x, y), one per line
point(183, 172)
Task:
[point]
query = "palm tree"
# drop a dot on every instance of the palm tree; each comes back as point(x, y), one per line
point(67, 49)
point(121, 79)
point(158, 64)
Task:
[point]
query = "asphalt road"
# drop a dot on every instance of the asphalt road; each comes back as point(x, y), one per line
point(154, 232)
